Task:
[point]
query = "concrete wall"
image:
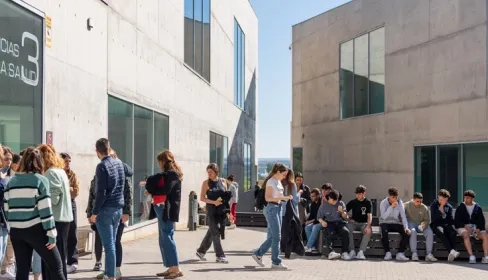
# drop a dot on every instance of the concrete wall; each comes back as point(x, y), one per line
point(435, 90)
point(135, 52)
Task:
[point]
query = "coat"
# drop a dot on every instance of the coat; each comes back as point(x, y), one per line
point(171, 187)
point(291, 232)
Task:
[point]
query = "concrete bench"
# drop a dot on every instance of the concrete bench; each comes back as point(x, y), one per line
point(89, 241)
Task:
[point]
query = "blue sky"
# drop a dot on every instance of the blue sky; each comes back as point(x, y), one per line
point(275, 20)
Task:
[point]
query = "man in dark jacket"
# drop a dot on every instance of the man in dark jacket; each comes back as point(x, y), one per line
point(470, 221)
point(304, 191)
point(312, 225)
point(442, 222)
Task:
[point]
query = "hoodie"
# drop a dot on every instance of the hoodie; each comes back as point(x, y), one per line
point(462, 217)
point(234, 189)
point(441, 218)
point(330, 213)
point(390, 215)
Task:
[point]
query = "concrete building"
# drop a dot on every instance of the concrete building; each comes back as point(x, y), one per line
point(393, 93)
point(149, 75)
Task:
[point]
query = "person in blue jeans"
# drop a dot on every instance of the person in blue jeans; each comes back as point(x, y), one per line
point(272, 212)
point(312, 225)
point(165, 188)
point(109, 201)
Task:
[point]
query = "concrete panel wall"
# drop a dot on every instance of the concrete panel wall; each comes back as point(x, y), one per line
point(135, 52)
point(435, 90)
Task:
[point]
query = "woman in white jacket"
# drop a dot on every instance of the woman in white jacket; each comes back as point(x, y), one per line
point(234, 189)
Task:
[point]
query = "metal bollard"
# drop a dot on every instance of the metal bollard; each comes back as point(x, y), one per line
point(192, 211)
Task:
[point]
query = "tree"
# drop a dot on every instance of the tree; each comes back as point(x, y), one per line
point(269, 167)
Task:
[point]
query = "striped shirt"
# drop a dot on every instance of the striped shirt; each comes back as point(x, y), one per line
point(27, 203)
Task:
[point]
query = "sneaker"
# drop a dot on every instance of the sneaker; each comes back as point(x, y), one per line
point(430, 258)
point(388, 256)
point(472, 259)
point(334, 256)
point(346, 256)
point(415, 257)
point(452, 255)
point(360, 256)
point(401, 257)
point(72, 268)
point(232, 226)
point(100, 276)
point(118, 275)
point(221, 260)
point(258, 260)
point(352, 254)
point(308, 250)
point(97, 266)
point(314, 250)
point(280, 266)
point(484, 260)
point(201, 256)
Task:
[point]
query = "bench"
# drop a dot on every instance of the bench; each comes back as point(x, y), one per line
point(375, 247)
point(90, 244)
point(251, 219)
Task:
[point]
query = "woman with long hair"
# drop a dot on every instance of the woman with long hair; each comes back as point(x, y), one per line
point(59, 189)
point(272, 211)
point(212, 192)
point(30, 216)
point(290, 188)
point(165, 189)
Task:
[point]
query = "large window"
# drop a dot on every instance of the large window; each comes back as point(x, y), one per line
point(219, 152)
point(21, 76)
point(297, 160)
point(362, 75)
point(248, 166)
point(138, 135)
point(197, 36)
point(453, 167)
point(239, 65)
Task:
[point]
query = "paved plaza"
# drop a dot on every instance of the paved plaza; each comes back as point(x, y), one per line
point(142, 260)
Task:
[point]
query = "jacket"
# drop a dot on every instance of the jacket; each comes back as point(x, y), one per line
point(171, 188)
point(3, 218)
point(462, 218)
point(60, 194)
point(110, 184)
point(234, 189)
point(437, 218)
point(291, 232)
point(306, 193)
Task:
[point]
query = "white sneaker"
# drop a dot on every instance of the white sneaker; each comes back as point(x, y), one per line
point(345, 256)
point(452, 255)
point(334, 256)
point(280, 266)
point(232, 226)
point(72, 268)
point(472, 259)
point(308, 250)
point(258, 260)
point(388, 257)
point(401, 257)
point(484, 260)
point(201, 256)
point(430, 258)
point(314, 249)
point(360, 256)
point(352, 254)
point(415, 257)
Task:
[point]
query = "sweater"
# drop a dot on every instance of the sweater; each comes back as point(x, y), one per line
point(110, 184)
point(330, 213)
point(441, 218)
point(60, 194)
point(27, 203)
point(392, 215)
point(417, 215)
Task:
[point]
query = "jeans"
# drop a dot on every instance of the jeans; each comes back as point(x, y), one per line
point(25, 241)
point(386, 228)
point(447, 234)
point(213, 233)
point(272, 213)
point(334, 229)
point(352, 226)
point(166, 241)
point(36, 263)
point(72, 256)
point(3, 242)
point(312, 231)
point(429, 238)
point(62, 244)
point(118, 245)
point(108, 220)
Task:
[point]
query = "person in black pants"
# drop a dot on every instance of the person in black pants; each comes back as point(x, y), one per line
point(442, 222)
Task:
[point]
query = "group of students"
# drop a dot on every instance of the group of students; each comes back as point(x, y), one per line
point(36, 210)
point(325, 210)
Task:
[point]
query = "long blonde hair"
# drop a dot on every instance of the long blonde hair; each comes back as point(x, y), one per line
point(277, 167)
point(50, 157)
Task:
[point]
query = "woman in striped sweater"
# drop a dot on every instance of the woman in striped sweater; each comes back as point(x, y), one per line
point(30, 216)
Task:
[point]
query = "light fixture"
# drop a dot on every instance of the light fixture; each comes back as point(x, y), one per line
point(89, 24)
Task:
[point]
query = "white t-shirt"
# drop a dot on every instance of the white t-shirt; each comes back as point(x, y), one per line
point(277, 187)
point(470, 209)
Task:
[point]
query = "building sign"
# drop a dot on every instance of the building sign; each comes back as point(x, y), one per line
point(21, 41)
point(49, 137)
point(49, 31)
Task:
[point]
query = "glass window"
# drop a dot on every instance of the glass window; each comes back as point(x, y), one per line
point(161, 136)
point(425, 180)
point(247, 166)
point(449, 174)
point(120, 128)
point(362, 75)
point(197, 36)
point(225, 152)
point(21, 76)
point(219, 152)
point(213, 149)
point(475, 172)
point(297, 159)
point(239, 65)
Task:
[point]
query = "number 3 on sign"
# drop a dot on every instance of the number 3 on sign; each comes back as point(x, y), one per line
point(32, 59)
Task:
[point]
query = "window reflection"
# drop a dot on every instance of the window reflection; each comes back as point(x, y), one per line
point(239, 65)
point(347, 79)
point(219, 152)
point(377, 71)
point(197, 36)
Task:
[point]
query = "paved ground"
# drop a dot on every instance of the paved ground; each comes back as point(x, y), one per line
point(142, 260)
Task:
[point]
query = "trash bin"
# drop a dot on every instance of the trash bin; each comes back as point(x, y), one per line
point(192, 211)
point(374, 204)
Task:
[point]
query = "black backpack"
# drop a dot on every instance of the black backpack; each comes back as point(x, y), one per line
point(260, 199)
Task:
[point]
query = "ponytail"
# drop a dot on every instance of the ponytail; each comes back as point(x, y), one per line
point(277, 167)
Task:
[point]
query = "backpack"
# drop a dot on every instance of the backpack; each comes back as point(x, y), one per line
point(260, 199)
